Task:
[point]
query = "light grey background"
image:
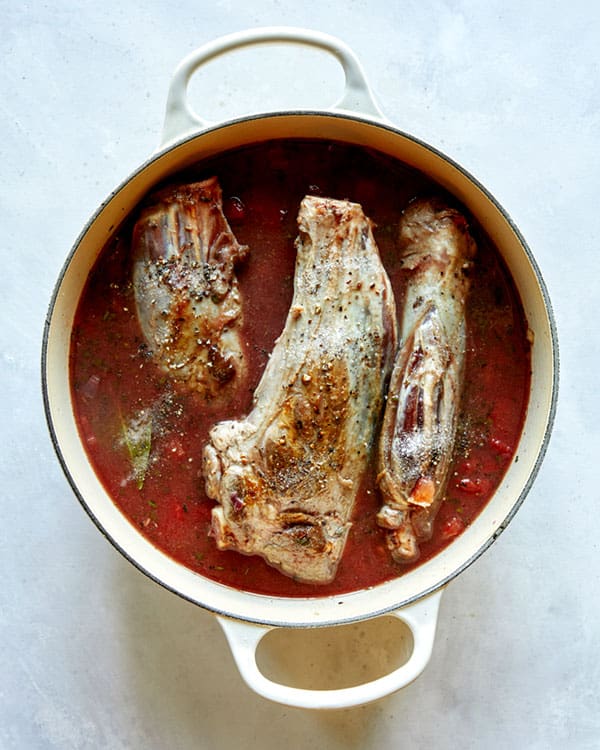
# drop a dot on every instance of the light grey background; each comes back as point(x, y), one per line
point(94, 655)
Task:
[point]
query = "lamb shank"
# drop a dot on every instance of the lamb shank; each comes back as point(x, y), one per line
point(286, 477)
point(423, 402)
point(186, 291)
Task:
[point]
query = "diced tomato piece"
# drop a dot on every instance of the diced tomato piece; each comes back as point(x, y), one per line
point(500, 446)
point(175, 449)
point(465, 467)
point(179, 511)
point(91, 440)
point(234, 209)
point(89, 390)
point(475, 486)
point(452, 527)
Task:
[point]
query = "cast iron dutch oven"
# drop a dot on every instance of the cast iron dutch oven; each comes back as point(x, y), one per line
point(247, 617)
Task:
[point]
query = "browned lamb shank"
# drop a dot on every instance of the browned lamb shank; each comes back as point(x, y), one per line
point(285, 478)
point(423, 403)
point(186, 291)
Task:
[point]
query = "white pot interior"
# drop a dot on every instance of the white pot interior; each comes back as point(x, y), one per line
point(292, 611)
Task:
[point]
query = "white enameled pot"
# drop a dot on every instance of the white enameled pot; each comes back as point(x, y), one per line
point(247, 617)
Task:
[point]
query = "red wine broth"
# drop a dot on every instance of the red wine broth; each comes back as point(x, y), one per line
point(115, 381)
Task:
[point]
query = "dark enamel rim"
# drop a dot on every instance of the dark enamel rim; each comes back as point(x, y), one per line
point(474, 182)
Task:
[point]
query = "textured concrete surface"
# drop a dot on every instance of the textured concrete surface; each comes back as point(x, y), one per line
point(93, 654)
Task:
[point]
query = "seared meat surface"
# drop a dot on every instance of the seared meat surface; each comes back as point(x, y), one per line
point(187, 297)
point(285, 478)
point(419, 427)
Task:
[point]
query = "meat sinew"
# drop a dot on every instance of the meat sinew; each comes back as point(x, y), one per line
point(187, 296)
point(286, 477)
point(420, 420)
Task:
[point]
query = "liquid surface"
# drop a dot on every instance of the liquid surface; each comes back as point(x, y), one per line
point(145, 433)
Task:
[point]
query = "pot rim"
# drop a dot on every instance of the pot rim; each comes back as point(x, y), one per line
point(169, 148)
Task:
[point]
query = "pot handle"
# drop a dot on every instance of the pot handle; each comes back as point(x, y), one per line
point(180, 120)
point(420, 617)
